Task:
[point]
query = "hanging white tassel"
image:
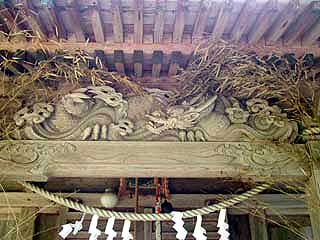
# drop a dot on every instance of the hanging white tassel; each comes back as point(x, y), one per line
point(109, 229)
point(126, 235)
point(66, 230)
point(94, 232)
point(178, 226)
point(222, 225)
point(199, 231)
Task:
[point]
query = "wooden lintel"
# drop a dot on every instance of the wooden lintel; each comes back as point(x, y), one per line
point(185, 48)
point(146, 159)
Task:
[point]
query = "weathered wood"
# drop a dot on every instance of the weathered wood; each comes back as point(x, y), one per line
point(96, 24)
point(223, 19)
point(312, 37)
point(108, 159)
point(263, 22)
point(31, 18)
point(117, 21)
point(69, 19)
point(138, 63)
point(157, 58)
point(185, 48)
point(119, 61)
point(179, 22)
point(101, 59)
point(48, 227)
point(258, 228)
point(284, 19)
point(138, 21)
point(176, 60)
point(159, 21)
point(201, 21)
point(242, 23)
point(26, 223)
point(303, 22)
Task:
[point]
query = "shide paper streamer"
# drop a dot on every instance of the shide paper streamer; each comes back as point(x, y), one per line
point(223, 225)
point(109, 229)
point(199, 232)
point(68, 228)
point(178, 226)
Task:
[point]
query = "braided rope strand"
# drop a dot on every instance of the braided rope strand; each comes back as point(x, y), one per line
point(144, 216)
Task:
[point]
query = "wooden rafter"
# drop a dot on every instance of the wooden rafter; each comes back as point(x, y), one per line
point(96, 24)
point(159, 21)
point(138, 21)
point(242, 23)
point(117, 21)
point(223, 19)
point(201, 21)
point(264, 21)
point(179, 21)
point(303, 22)
point(284, 19)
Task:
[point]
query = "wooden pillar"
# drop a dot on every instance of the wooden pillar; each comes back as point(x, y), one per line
point(314, 190)
point(258, 228)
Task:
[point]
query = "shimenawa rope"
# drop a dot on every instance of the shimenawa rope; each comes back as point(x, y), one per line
point(143, 216)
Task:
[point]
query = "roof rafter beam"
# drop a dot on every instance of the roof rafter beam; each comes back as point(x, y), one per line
point(117, 21)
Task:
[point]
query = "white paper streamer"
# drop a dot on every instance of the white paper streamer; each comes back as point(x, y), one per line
point(66, 230)
point(77, 226)
point(94, 232)
point(199, 231)
point(126, 235)
point(109, 229)
point(222, 225)
point(178, 226)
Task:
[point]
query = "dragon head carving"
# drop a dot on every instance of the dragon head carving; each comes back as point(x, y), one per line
point(178, 117)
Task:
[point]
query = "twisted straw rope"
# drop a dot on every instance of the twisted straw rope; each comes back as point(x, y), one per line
point(142, 216)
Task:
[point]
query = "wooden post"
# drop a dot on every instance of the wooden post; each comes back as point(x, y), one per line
point(258, 228)
point(314, 190)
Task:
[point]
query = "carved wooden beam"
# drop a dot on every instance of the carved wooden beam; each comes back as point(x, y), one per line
point(37, 160)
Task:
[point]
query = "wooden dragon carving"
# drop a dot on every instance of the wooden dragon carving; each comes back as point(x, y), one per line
point(101, 113)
